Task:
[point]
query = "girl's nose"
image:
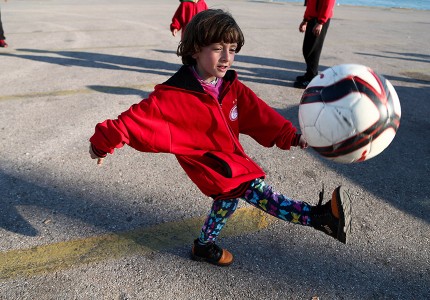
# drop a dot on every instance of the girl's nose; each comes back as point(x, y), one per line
point(225, 55)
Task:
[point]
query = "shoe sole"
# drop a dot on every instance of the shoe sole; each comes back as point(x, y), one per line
point(344, 207)
point(217, 263)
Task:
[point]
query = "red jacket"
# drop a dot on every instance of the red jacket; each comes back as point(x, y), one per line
point(185, 12)
point(319, 9)
point(178, 117)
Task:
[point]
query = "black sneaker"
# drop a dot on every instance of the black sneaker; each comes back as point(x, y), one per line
point(302, 81)
point(211, 253)
point(334, 217)
point(301, 84)
point(301, 78)
point(305, 77)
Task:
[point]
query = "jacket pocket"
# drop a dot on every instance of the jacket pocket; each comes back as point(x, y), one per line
point(229, 165)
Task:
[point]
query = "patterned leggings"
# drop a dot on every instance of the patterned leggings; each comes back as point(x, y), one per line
point(260, 195)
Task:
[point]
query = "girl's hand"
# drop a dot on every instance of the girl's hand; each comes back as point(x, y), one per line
point(94, 156)
point(303, 143)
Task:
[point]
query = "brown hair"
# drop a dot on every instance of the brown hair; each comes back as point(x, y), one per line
point(208, 27)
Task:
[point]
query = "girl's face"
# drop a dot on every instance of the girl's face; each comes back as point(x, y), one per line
point(214, 60)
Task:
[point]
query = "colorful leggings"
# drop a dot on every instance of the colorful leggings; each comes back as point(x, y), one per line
point(260, 195)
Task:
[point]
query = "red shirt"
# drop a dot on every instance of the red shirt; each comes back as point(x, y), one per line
point(319, 9)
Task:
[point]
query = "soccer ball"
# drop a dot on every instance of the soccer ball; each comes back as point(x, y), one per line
point(349, 113)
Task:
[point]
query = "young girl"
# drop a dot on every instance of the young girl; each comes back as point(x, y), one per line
point(186, 11)
point(198, 115)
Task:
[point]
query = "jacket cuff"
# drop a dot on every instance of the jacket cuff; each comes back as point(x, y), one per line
point(98, 152)
point(296, 139)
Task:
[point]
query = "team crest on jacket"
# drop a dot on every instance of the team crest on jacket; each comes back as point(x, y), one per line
point(233, 113)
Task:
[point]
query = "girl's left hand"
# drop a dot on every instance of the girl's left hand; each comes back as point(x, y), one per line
point(303, 143)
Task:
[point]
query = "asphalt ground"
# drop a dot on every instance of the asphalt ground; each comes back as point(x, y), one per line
point(72, 230)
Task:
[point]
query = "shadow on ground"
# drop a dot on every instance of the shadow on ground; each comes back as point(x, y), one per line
point(399, 174)
point(262, 70)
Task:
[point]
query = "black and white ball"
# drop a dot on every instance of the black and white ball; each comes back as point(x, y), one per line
point(349, 113)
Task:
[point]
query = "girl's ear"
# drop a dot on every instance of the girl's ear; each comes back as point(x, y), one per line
point(197, 52)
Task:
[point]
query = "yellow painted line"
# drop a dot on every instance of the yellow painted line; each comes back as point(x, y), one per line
point(63, 255)
point(105, 89)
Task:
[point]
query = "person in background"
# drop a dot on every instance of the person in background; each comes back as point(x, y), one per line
point(3, 43)
point(315, 24)
point(186, 11)
point(198, 115)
